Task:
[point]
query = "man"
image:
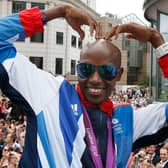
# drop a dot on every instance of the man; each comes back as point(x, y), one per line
point(164, 157)
point(153, 152)
point(66, 128)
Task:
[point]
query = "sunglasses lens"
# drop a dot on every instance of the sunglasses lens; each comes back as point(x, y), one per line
point(84, 70)
point(108, 72)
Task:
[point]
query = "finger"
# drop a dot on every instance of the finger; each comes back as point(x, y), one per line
point(117, 32)
point(82, 35)
point(133, 36)
point(92, 25)
point(80, 32)
point(130, 36)
point(108, 35)
point(76, 26)
point(98, 35)
point(111, 33)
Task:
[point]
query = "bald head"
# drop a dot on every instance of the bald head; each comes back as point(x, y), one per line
point(105, 48)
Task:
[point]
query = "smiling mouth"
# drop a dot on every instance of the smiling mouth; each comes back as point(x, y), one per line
point(95, 91)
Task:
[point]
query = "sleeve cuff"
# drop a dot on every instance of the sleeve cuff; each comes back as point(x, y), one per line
point(162, 50)
point(163, 63)
point(31, 20)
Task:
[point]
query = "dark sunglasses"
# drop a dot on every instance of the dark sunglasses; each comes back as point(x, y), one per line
point(107, 72)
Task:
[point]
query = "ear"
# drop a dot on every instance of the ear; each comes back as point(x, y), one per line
point(119, 74)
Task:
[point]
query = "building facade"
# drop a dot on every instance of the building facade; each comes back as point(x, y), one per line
point(138, 56)
point(156, 11)
point(56, 50)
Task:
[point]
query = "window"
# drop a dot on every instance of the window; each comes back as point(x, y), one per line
point(110, 25)
point(79, 43)
point(40, 5)
point(127, 43)
point(59, 37)
point(59, 64)
point(139, 58)
point(38, 61)
point(18, 6)
point(38, 37)
point(73, 41)
point(73, 66)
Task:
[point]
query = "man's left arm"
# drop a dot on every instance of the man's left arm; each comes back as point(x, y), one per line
point(149, 122)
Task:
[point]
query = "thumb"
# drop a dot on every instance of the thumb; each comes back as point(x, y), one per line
point(76, 27)
point(130, 36)
point(80, 32)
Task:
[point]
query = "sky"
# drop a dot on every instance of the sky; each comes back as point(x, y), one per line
point(121, 7)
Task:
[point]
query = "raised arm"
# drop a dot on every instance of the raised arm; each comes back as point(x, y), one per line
point(155, 115)
point(144, 34)
point(14, 67)
point(138, 32)
point(75, 17)
point(28, 22)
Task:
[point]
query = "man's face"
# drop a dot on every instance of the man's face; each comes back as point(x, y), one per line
point(151, 149)
point(163, 154)
point(95, 88)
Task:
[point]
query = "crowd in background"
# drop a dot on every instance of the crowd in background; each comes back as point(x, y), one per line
point(154, 156)
point(12, 133)
point(13, 129)
point(138, 97)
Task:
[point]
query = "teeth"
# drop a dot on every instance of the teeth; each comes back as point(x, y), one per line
point(95, 90)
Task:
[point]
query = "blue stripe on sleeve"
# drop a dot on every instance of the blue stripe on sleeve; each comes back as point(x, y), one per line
point(11, 26)
point(7, 51)
point(42, 130)
point(10, 30)
point(68, 116)
point(123, 133)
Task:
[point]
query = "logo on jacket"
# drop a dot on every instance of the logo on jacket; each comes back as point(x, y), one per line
point(75, 109)
point(117, 126)
point(115, 121)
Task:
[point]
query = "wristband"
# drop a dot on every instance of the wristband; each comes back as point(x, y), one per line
point(43, 17)
point(162, 50)
point(163, 63)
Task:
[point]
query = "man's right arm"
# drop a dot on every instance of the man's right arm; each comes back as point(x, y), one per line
point(28, 22)
point(20, 79)
point(18, 75)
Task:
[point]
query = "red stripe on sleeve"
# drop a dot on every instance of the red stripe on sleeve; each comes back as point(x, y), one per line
point(31, 20)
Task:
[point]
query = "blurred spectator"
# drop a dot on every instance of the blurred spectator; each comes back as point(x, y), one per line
point(164, 157)
point(152, 151)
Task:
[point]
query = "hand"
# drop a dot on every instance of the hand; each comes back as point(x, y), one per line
point(138, 32)
point(76, 18)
